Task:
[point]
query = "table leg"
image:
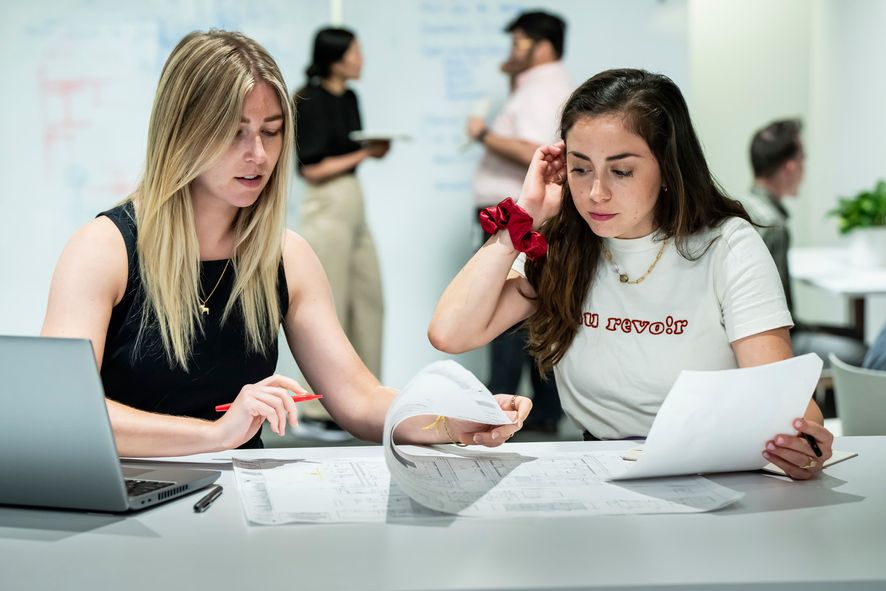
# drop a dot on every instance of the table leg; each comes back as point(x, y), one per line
point(856, 317)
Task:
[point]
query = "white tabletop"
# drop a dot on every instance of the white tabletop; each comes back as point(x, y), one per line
point(831, 268)
point(829, 533)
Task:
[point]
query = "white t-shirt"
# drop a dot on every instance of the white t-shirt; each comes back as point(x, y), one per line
point(635, 339)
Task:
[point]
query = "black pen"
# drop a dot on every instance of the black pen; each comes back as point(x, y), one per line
point(812, 443)
point(203, 504)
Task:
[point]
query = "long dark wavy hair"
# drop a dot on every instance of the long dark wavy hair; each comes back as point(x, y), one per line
point(653, 108)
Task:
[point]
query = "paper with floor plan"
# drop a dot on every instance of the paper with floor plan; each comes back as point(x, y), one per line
point(719, 421)
point(414, 483)
point(359, 489)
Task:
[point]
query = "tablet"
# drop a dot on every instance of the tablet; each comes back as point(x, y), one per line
point(377, 136)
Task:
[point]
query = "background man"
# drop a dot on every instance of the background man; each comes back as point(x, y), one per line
point(777, 158)
point(529, 118)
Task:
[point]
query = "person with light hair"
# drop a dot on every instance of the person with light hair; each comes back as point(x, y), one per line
point(183, 287)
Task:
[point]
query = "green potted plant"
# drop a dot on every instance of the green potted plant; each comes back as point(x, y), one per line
point(863, 218)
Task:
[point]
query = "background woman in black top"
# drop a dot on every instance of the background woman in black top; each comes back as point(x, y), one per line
point(182, 289)
point(333, 219)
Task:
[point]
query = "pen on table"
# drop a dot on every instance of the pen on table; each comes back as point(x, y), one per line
point(203, 504)
point(812, 443)
point(295, 398)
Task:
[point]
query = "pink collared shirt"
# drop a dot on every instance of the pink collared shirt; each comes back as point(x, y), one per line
point(531, 113)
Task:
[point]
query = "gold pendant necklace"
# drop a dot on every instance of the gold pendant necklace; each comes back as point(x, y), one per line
point(202, 303)
point(623, 277)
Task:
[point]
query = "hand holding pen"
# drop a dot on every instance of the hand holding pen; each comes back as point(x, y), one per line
point(803, 455)
point(269, 400)
point(294, 397)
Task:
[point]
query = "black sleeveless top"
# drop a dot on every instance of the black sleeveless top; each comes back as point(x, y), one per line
point(220, 363)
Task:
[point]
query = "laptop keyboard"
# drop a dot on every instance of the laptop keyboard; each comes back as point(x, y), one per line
point(140, 487)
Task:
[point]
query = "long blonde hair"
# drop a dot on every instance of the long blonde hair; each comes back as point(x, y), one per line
point(195, 118)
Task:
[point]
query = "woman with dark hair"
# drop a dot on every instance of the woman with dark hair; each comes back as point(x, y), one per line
point(332, 215)
point(650, 268)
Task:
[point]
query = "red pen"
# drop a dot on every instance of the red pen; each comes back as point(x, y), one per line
point(295, 398)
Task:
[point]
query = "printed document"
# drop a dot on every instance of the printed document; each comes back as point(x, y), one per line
point(415, 483)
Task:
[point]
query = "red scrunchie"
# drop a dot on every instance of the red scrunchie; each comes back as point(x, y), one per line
point(508, 214)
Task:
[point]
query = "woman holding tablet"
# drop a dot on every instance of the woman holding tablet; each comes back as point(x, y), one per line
point(333, 216)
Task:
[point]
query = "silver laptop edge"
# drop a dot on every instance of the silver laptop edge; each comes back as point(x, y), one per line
point(56, 444)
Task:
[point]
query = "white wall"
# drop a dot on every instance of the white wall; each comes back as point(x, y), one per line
point(749, 64)
point(848, 107)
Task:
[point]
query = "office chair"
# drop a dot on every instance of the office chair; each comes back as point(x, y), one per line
point(860, 395)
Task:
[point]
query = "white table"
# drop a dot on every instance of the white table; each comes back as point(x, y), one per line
point(829, 533)
point(831, 269)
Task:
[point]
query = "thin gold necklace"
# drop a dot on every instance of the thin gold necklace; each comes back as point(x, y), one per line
point(202, 303)
point(623, 277)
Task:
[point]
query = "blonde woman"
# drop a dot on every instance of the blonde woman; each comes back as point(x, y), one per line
point(183, 287)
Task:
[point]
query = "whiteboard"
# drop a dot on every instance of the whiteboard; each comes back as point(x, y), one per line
point(79, 79)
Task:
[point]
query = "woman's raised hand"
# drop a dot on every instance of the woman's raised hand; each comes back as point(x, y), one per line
point(267, 400)
point(542, 191)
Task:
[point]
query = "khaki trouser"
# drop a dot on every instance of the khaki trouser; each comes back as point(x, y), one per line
point(334, 224)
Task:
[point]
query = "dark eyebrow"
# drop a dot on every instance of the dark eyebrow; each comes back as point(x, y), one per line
point(622, 155)
point(608, 159)
point(277, 117)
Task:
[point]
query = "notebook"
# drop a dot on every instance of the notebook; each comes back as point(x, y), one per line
point(836, 458)
point(57, 445)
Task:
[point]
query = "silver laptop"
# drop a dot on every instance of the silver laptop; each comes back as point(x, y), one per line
point(56, 445)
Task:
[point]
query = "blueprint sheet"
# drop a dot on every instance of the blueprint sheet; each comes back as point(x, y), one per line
point(491, 485)
point(414, 483)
